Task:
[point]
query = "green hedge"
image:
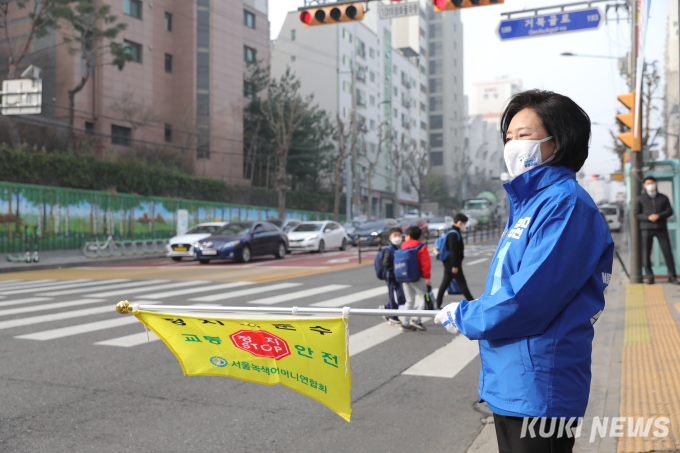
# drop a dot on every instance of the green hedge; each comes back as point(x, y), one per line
point(88, 172)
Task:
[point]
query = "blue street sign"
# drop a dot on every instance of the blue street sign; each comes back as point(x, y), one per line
point(550, 24)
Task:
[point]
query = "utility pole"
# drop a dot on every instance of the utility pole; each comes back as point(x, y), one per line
point(353, 122)
point(635, 161)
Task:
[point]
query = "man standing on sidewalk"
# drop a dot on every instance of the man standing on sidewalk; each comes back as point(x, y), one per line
point(453, 264)
point(652, 209)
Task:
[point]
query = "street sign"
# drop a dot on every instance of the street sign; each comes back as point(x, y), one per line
point(21, 97)
point(398, 10)
point(550, 24)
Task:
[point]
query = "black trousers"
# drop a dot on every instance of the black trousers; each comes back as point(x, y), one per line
point(446, 281)
point(511, 439)
point(664, 243)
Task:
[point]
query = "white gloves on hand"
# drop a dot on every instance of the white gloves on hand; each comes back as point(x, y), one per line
point(446, 318)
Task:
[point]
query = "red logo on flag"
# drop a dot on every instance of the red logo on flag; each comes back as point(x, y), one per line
point(260, 343)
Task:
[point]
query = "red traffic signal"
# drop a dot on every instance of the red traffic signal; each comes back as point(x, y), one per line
point(331, 14)
point(444, 5)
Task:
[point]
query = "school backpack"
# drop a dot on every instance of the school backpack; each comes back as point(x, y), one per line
point(406, 268)
point(440, 245)
point(380, 271)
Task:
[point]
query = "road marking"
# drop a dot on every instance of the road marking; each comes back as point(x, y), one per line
point(73, 284)
point(56, 316)
point(28, 300)
point(62, 332)
point(338, 260)
point(203, 289)
point(105, 286)
point(298, 295)
point(56, 305)
point(126, 292)
point(131, 340)
point(476, 262)
point(352, 298)
point(372, 336)
point(447, 361)
point(245, 292)
point(4, 283)
point(31, 283)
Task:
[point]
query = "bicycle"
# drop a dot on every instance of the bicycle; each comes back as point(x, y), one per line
point(106, 249)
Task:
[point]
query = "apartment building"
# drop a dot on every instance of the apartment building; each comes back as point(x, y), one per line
point(183, 89)
point(354, 63)
point(671, 114)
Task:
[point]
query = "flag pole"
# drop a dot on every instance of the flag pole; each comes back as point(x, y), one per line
point(124, 307)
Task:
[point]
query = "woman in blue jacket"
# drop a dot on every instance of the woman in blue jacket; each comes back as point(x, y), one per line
point(545, 288)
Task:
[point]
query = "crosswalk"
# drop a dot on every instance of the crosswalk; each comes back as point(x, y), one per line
point(49, 310)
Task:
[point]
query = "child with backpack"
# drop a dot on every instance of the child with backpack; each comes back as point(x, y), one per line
point(384, 269)
point(412, 268)
point(451, 250)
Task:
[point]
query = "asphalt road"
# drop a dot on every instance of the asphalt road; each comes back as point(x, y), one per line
point(61, 391)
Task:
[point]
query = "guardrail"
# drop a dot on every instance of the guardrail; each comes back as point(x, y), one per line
point(115, 248)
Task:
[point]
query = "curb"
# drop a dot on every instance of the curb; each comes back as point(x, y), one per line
point(102, 261)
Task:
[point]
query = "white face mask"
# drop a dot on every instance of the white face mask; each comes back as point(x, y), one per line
point(650, 188)
point(397, 240)
point(523, 155)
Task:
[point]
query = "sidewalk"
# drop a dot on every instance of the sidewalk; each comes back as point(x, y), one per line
point(635, 373)
point(55, 259)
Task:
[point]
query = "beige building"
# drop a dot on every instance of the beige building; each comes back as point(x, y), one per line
point(184, 88)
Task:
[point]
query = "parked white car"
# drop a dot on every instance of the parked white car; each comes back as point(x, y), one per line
point(183, 246)
point(613, 215)
point(318, 236)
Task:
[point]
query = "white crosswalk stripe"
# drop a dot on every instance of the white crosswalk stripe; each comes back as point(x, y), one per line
point(147, 289)
point(74, 284)
point(105, 285)
point(27, 300)
point(298, 295)
point(4, 283)
point(203, 289)
point(352, 298)
point(31, 283)
point(245, 292)
point(56, 316)
point(53, 306)
point(447, 361)
point(472, 263)
point(373, 336)
point(130, 340)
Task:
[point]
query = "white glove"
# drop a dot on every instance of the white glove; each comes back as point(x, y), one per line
point(446, 318)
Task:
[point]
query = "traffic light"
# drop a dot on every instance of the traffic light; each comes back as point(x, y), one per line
point(331, 14)
point(628, 120)
point(444, 5)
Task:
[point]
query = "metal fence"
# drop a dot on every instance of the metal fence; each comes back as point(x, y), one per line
point(58, 218)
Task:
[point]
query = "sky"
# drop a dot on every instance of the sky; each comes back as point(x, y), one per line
point(593, 83)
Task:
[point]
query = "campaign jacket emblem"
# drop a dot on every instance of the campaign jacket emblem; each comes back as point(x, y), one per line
point(544, 292)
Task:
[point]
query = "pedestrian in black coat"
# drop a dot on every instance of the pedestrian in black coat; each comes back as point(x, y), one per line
point(453, 264)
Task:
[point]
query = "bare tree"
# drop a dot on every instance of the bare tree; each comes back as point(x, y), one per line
point(418, 166)
point(137, 114)
point(19, 37)
point(92, 43)
point(650, 80)
point(461, 167)
point(284, 111)
point(383, 139)
point(346, 140)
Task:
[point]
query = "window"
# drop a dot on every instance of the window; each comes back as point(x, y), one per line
point(436, 121)
point(395, 70)
point(371, 76)
point(436, 104)
point(436, 49)
point(435, 31)
point(396, 114)
point(437, 158)
point(437, 140)
point(346, 35)
point(423, 88)
point(168, 63)
point(249, 54)
point(168, 21)
point(292, 35)
point(248, 19)
point(371, 52)
point(396, 92)
point(121, 135)
point(360, 97)
point(347, 87)
point(423, 52)
point(346, 61)
point(89, 127)
point(423, 126)
point(371, 100)
point(372, 125)
point(292, 58)
point(168, 133)
point(133, 8)
point(248, 89)
point(134, 49)
point(361, 48)
point(436, 67)
point(436, 85)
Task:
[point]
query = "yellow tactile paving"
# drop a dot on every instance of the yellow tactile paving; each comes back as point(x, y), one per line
point(650, 370)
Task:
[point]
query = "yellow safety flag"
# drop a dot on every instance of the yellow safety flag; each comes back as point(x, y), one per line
point(307, 355)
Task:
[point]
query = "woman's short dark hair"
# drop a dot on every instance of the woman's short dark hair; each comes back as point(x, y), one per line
point(562, 118)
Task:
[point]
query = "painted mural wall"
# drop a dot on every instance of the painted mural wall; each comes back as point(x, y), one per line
point(64, 218)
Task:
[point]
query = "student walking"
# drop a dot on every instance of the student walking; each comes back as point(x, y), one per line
point(452, 254)
point(394, 288)
point(412, 267)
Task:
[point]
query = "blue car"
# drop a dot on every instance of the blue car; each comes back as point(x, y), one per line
point(241, 241)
